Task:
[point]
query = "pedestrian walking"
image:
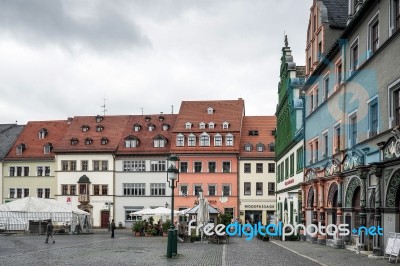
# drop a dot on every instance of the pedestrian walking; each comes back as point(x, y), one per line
point(112, 228)
point(49, 231)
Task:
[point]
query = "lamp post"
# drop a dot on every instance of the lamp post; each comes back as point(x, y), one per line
point(172, 178)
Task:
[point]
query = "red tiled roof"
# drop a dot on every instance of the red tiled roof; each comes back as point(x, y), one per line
point(264, 125)
point(34, 146)
point(195, 112)
point(146, 137)
point(113, 128)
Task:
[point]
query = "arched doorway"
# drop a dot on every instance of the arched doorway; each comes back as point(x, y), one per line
point(310, 206)
point(332, 205)
point(356, 207)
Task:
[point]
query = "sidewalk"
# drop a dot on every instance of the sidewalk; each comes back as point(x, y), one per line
point(326, 255)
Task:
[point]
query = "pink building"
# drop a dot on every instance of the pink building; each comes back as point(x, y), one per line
point(206, 137)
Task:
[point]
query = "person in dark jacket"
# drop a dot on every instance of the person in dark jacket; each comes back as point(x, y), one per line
point(112, 228)
point(49, 231)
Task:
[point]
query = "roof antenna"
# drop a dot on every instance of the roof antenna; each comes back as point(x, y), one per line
point(104, 107)
point(142, 110)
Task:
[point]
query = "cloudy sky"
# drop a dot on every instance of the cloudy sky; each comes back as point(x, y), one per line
point(62, 58)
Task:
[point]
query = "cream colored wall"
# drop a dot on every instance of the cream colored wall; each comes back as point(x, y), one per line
point(95, 177)
point(32, 182)
point(264, 202)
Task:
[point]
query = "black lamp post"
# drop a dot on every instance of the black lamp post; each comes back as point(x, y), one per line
point(172, 178)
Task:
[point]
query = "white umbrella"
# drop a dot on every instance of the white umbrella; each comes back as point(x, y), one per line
point(141, 212)
point(184, 212)
point(202, 212)
point(156, 211)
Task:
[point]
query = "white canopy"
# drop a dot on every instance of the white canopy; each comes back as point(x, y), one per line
point(156, 211)
point(33, 204)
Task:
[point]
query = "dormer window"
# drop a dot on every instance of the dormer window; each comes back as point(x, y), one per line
point(165, 127)
point(180, 140)
point(229, 140)
point(151, 127)
point(217, 140)
point(248, 147)
point(253, 132)
point(20, 148)
point(147, 118)
point(204, 140)
point(161, 118)
point(136, 127)
point(225, 125)
point(74, 141)
point(160, 142)
point(260, 147)
point(42, 133)
point(202, 125)
point(131, 142)
point(104, 141)
point(188, 125)
point(99, 128)
point(85, 128)
point(271, 146)
point(192, 140)
point(47, 148)
point(211, 125)
point(88, 141)
point(99, 118)
point(210, 110)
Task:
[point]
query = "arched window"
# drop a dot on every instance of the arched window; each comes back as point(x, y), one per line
point(180, 140)
point(192, 140)
point(204, 140)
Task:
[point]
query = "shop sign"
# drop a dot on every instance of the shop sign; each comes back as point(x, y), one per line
point(290, 181)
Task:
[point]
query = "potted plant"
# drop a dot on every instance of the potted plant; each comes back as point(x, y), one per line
point(138, 227)
point(166, 226)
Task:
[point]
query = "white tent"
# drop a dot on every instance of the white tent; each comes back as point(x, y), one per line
point(16, 215)
point(157, 211)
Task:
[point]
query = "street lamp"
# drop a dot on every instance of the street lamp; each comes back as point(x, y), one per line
point(172, 178)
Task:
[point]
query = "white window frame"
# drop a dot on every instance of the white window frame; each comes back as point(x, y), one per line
point(372, 100)
point(217, 140)
point(204, 140)
point(325, 94)
point(371, 22)
point(350, 116)
point(225, 125)
point(395, 86)
point(337, 74)
point(180, 140)
point(229, 140)
point(188, 125)
point(353, 67)
point(230, 190)
point(211, 125)
point(392, 24)
point(192, 140)
point(202, 125)
point(215, 189)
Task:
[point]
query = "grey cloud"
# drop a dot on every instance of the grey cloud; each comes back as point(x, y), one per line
point(100, 25)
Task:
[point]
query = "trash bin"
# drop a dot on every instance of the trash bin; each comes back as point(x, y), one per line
point(120, 225)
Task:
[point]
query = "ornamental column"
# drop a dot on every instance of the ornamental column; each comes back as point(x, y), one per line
point(321, 237)
point(377, 239)
point(302, 211)
point(362, 173)
point(315, 212)
point(338, 242)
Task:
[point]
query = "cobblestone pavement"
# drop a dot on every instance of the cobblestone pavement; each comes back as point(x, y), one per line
point(99, 249)
point(328, 255)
